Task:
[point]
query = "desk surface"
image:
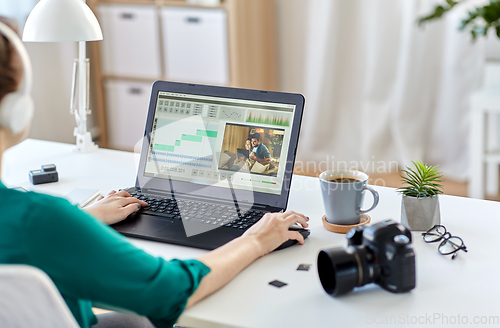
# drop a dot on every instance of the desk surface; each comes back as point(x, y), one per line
point(448, 292)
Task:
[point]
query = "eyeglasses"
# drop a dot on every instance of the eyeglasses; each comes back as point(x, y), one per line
point(449, 244)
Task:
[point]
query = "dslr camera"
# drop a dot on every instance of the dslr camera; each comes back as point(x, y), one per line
point(380, 253)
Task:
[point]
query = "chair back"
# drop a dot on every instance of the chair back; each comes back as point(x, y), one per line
point(29, 298)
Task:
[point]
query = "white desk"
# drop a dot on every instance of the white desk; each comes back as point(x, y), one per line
point(464, 289)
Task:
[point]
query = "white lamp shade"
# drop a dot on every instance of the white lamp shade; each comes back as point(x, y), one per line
point(61, 20)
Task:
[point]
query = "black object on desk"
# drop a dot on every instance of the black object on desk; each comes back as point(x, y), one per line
point(46, 174)
point(304, 232)
point(303, 267)
point(277, 283)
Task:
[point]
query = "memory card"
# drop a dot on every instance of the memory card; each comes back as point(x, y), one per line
point(303, 267)
point(277, 283)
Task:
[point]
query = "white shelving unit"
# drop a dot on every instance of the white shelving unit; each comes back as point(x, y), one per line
point(146, 40)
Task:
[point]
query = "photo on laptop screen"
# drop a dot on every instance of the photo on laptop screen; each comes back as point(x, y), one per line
point(261, 149)
point(222, 142)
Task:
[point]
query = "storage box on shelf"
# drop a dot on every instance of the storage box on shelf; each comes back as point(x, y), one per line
point(195, 45)
point(127, 108)
point(131, 43)
point(232, 44)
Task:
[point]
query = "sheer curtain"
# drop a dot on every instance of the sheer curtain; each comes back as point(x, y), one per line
point(380, 90)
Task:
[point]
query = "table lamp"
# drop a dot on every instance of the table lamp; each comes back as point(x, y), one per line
point(69, 20)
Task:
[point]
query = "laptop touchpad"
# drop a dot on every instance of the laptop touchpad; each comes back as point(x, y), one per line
point(145, 224)
point(149, 225)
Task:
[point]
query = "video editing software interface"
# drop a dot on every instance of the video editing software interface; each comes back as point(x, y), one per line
point(217, 141)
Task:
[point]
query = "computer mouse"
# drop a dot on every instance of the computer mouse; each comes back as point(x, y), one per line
point(290, 242)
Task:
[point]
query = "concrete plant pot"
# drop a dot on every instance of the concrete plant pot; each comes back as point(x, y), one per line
point(420, 214)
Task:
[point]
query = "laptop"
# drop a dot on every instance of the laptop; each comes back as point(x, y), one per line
point(244, 152)
point(192, 139)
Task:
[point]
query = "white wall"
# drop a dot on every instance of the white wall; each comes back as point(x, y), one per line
point(52, 69)
point(52, 73)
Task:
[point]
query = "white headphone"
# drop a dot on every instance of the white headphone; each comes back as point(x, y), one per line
point(17, 108)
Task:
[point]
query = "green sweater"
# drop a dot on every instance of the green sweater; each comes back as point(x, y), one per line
point(91, 263)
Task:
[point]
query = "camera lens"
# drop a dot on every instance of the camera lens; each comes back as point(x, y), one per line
point(340, 270)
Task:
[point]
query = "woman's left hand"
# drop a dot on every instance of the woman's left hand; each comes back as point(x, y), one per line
point(115, 207)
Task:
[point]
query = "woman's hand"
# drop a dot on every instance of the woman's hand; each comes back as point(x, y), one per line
point(115, 207)
point(272, 230)
point(228, 260)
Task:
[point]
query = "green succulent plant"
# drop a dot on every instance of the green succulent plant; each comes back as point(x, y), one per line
point(423, 181)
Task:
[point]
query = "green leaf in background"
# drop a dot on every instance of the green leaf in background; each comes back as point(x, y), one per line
point(479, 20)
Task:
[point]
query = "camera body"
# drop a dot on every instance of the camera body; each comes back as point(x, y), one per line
point(393, 252)
point(380, 253)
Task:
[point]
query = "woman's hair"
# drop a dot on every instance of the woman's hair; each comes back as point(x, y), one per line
point(10, 63)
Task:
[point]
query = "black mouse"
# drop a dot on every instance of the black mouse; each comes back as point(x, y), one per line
point(290, 242)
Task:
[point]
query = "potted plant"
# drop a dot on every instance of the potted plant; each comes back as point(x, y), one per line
point(420, 204)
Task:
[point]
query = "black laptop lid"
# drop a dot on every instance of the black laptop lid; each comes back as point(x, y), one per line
point(196, 137)
point(244, 152)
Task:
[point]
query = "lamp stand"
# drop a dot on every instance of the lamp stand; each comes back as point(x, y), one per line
point(81, 72)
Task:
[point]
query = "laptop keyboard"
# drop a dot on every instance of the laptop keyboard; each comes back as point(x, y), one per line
point(200, 212)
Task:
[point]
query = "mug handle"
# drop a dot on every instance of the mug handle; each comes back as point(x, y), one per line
point(375, 198)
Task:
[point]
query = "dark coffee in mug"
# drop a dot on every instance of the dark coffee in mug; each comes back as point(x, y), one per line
point(344, 197)
point(343, 180)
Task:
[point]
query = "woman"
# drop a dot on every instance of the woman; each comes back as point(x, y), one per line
point(248, 146)
point(91, 263)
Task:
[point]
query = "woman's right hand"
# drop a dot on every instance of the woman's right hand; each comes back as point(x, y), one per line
point(228, 260)
point(272, 230)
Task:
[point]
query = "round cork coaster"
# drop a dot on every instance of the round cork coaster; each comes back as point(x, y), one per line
point(339, 228)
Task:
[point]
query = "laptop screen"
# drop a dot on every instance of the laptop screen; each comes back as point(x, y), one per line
point(214, 140)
